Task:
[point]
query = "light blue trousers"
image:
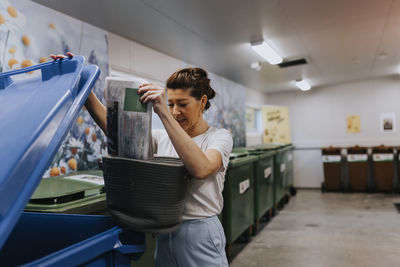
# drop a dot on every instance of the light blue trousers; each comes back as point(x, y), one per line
point(195, 243)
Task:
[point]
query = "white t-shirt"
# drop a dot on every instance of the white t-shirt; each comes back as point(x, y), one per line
point(204, 196)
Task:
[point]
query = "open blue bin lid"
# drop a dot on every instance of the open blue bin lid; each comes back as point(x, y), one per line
point(35, 116)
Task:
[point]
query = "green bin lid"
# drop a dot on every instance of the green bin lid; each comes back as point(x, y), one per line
point(238, 152)
point(253, 149)
point(265, 147)
point(264, 154)
point(56, 190)
point(284, 148)
point(236, 162)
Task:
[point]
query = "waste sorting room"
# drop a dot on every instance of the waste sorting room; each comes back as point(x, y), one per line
point(199, 133)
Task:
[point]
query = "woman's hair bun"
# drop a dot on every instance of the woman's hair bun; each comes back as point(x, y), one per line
point(195, 79)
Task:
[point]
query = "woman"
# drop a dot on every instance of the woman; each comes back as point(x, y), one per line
point(204, 150)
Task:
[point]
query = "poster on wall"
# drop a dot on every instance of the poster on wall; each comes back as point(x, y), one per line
point(275, 124)
point(353, 124)
point(387, 124)
point(29, 33)
point(227, 109)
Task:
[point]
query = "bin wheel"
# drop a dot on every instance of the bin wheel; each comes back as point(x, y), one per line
point(272, 212)
point(266, 216)
point(263, 218)
point(228, 250)
point(247, 234)
point(255, 228)
point(323, 189)
point(286, 199)
point(293, 191)
point(245, 237)
point(281, 203)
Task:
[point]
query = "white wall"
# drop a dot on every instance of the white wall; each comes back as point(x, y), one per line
point(255, 98)
point(318, 119)
point(131, 57)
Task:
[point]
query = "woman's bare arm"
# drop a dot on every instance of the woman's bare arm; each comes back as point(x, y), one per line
point(97, 110)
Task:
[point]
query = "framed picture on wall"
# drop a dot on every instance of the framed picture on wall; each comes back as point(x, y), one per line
point(387, 122)
point(353, 124)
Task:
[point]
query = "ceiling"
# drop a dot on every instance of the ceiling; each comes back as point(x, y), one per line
point(343, 40)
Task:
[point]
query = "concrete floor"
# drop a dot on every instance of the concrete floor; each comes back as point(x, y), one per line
point(328, 230)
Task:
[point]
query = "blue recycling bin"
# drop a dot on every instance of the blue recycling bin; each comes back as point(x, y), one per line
point(35, 116)
point(48, 239)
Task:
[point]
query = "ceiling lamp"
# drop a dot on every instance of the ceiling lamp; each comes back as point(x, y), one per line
point(383, 56)
point(355, 60)
point(256, 66)
point(267, 52)
point(303, 85)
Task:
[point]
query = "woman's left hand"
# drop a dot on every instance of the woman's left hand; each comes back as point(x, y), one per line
point(156, 94)
point(61, 56)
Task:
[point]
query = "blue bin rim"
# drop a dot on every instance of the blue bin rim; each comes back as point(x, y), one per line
point(83, 79)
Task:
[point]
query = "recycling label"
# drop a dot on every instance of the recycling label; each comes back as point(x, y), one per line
point(283, 167)
point(357, 157)
point(331, 158)
point(88, 178)
point(382, 157)
point(267, 172)
point(243, 186)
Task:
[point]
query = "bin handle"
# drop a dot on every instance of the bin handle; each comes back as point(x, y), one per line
point(100, 164)
point(131, 249)
point(48, 70)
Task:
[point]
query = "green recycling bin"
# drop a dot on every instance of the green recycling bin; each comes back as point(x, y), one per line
point(281, 175)
point(80, 193)
point(238, 211)
point(358, 168)
point(383, 168)
point(289, 185)
point(147, 259)
point(332, 164)
point(263, 183)
point(74, 193)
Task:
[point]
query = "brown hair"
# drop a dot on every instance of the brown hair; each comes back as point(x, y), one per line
point(195, 79)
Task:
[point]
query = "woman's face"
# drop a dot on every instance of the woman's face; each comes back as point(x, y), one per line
point(187, 110)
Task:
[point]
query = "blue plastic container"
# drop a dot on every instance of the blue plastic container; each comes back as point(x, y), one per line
point(44, 239)
point(35, 116)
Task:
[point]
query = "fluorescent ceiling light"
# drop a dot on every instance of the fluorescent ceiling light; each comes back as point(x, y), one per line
point(383, 56)
point(303, 85)
point(256, 66)
point(267, 52)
